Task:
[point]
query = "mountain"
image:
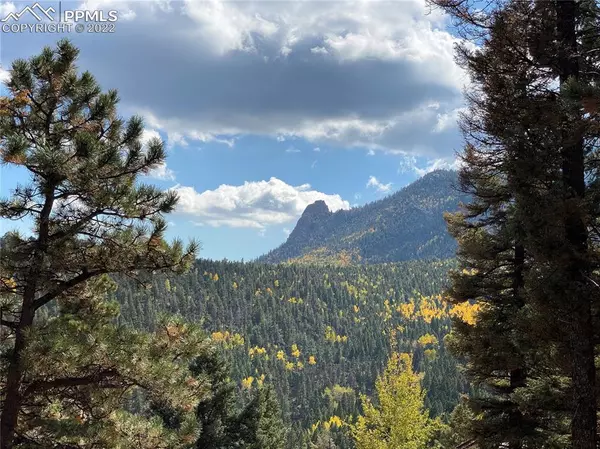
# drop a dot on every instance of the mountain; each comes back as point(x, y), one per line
point(406, 225)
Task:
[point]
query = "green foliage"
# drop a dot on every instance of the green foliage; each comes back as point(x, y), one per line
point(459, 429)
point(245, 301)
point(528, 242)
point(399, 420)
point(259, 425)
point(65, 368)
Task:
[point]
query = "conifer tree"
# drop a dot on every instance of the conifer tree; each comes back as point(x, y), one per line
point(538, 143)
point(259, 425)
point(62, 380)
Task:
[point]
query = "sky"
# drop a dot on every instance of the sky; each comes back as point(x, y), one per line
point(268, 106)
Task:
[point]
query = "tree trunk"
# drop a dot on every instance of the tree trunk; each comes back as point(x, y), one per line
point(518, 377)
point(578, 301)
point(12, 399)
point(14, 376)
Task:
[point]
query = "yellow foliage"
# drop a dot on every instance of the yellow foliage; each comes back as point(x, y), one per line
point(427, 339)
point(295, 351)
point(312, 360)
point(407, 310)
point(399, 420)
point(466, 312)
point(289, 366)
point(331, 335)
point(280, 355)
point(335, 421)
point(247, 382)
point(431, 308)
point(230, 339)
point(9, 283)
point(256, 350)
point(218, 336)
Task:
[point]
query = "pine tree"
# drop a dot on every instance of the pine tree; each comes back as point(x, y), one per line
point(492, 257)
point(259, 425)
point(215, 412)
point(539, 144)
point(63, 379)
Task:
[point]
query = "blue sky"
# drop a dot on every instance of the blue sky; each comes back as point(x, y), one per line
point(268, 106)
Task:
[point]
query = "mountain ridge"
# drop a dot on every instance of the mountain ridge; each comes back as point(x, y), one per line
point(405, 225)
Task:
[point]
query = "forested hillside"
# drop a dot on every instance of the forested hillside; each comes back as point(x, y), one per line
point(112, 337)
point(406, 225)
point(320, 335)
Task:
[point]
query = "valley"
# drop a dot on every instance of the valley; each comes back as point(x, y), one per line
point(319, 329)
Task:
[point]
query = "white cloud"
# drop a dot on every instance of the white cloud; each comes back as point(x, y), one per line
point(148, 135)
point(257, 68)
point(447, 120)
point(407, 164)
point(437, 164)
point(179, 132)
point(228, 26)
point(253, 204)
point(292, 150)
point(375, 183)
point(6, 8)
point(287, 231)
point(319, 50)
point(316, 149)
point(410, 164)
point(162, 172)
point(4, 76)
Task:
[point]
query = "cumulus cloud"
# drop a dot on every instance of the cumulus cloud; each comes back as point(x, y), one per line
point(360, 75)
point(253, 204)
point(148, 135)
point(410, 164)
point(437, 164)
point(378, 185)
point(162, 172)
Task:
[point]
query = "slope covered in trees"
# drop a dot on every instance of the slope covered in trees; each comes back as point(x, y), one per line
point(406, 225)
point(320, 335)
